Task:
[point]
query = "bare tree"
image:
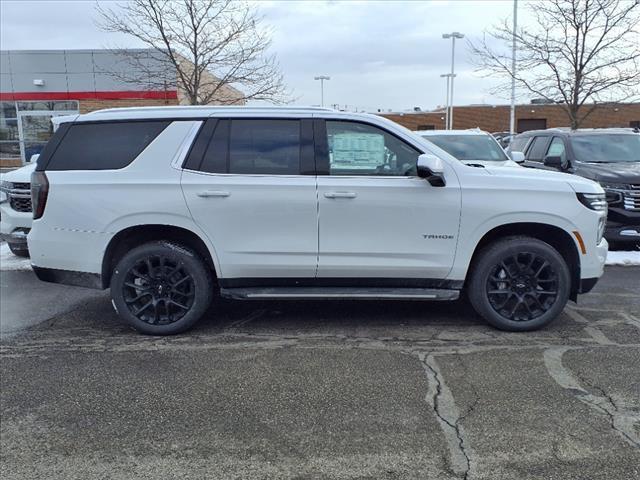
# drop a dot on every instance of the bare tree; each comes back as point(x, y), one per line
point(213, 45)
point(578, 53)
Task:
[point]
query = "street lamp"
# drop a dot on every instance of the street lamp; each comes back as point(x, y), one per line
point(448, 76)
point(322, 78)
point(452, 36)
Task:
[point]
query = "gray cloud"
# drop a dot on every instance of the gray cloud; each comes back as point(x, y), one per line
point(379, 54)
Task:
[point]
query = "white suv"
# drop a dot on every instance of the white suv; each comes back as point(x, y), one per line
point(167, 206)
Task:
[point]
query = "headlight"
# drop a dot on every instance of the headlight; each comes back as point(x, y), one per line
point(593, 201)
point(4, 185)
point(3, 197)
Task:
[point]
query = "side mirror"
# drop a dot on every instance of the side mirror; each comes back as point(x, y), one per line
point(517, 157)
point(553, 162)
point(431, 168)
point(34, 158)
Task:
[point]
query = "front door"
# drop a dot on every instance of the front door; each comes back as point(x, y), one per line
point(244, 185)
point(377, 219)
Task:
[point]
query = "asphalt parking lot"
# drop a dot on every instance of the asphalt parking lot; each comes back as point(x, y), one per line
point(393, 390)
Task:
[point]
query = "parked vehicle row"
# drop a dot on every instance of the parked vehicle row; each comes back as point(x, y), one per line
point(610, 157)
point(15, 207)
point(166, 206)
point(472, 147)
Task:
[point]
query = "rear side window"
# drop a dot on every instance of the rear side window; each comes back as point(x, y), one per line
point(104, 146)
point(264, 147)
point(248, 146)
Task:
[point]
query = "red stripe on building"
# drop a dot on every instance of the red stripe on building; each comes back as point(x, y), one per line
point(119, 95)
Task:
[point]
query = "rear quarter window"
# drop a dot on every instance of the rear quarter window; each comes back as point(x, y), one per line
point(103, 146)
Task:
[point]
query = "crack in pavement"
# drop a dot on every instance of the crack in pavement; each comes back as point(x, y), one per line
point(442, 402)
point(622, 420)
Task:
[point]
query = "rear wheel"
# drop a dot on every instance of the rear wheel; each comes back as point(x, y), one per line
point(161, 288)
point(19, 249)
point(519, 284)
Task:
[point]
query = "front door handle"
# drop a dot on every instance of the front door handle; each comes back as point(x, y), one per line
point(213, 193)
point(340, 195)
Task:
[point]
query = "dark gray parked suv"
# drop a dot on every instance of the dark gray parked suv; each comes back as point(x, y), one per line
point(609, 156)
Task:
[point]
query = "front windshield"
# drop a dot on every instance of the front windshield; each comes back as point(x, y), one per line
point(469, 147)
point(607, 148)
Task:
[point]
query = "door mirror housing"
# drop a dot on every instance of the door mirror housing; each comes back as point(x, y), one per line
point(517, 157)
point(554, 161)
point(34, 158)
point(431, 169)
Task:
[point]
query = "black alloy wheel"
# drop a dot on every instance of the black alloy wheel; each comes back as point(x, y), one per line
point(158, 290)
point(519, 283)
point(522, 287)
point(161, 288)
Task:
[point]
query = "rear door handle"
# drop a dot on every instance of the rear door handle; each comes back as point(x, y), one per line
point(340, 195)
point(213, 193)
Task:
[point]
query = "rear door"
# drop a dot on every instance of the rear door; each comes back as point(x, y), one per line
point(249, 185)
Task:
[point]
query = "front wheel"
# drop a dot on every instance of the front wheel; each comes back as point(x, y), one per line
point(519, 284)
point(161, 288)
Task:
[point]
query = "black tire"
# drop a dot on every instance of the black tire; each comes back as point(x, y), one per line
point(161, 288)
point(519, 284)
point(19, 250)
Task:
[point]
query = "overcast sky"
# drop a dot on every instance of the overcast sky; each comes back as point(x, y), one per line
point(379, 54)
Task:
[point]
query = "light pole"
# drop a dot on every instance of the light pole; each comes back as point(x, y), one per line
point(322, 78)
point(512, 116)
point(446, 115)
point(452, 36)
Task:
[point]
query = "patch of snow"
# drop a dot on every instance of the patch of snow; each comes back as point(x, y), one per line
point(623, 258)
point(9, 261)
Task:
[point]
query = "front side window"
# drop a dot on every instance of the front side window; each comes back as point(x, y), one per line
point(361, 149)
point(104, 146)
point(537, 149)
point(556, 149)
point(469, 147)
point(270, 147)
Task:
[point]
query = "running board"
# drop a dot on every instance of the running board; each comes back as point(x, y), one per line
point(333, 293)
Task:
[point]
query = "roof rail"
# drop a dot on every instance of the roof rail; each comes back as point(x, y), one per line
point(211, 108)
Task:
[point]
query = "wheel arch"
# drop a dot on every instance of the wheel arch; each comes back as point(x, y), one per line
point(136, 235)
point(555, 236)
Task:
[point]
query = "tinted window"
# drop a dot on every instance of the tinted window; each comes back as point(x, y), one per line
point(537, 149)
point(469, 147)
point(264, 147)
point(607, 148)
point(101, 146)
point(518, 144)
point(361, 149)
point(556, 149)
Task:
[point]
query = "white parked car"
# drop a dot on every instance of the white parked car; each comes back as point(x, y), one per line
point(15, 207)
point(473, 147)
point(166, 206)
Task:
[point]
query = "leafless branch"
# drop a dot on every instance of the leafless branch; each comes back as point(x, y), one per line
point(217, 49)
point(579, 53)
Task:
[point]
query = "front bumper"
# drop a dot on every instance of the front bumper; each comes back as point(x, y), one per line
point(14, 225)
point(622, 225)
point(622, 233)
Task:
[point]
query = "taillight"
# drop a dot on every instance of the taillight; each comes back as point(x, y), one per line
point(39, 193)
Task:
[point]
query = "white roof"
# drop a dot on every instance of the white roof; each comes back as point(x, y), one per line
point(471, 132)
point(194, 111)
